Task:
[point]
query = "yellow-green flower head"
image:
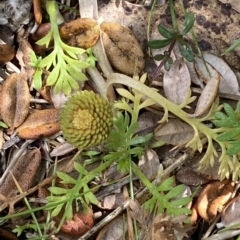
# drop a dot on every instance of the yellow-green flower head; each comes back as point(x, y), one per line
point(86, 119)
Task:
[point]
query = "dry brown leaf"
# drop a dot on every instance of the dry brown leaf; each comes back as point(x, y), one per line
point(7, 234)
point(177, 81)
point(40, 123)
point(128, 14)
point(149, 164)
point(231, 213)
point(81, 222)
point(112, 201)
point(207, 96)
point(213, 197)
point(23, 55)
point(122, 48)
point(115, 230)
point(25, 173)
point(82, 32)
point(188, 176)
point(192, 174)
point(14, 100)
point(202, 71)
point(174, 132)
point(194, 77)
point(230, 79)
point(7, 53)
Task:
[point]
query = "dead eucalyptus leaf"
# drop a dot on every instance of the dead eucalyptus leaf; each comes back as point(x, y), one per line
point(231, 213)
point(149, 164)
point(41, 123)
point(82, 32)
point(177, 81)
point(14, 100)
point(213, 197)
point(229, 82)
point(203, 72)
point(23, 55)
point(194, 77)
point(224, 86)
point(24, 171)
point(207, 96)
point(174, 132)
point(7, 53)
point(122, 48)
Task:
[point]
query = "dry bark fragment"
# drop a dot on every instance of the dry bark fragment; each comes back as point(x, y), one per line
point(41, 123)
point(14, 100)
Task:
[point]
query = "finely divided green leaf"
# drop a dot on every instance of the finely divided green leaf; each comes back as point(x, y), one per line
point(174, 192)
point(229, 135)
point(58, 190)
point(66, 179)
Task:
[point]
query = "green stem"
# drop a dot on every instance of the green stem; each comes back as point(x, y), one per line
point(173, 16)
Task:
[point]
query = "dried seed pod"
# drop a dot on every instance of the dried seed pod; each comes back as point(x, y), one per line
point(86, 119)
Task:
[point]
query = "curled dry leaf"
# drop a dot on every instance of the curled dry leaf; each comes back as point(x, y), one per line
point(228, 84)
point(122, 48)
point(14, 100)
point(213, 197)
point(149, 164)
point(41, 123)
point(207, 96)
point(231, 213)
point(112, 201)
point(188, 176)
point(174, 132)
point(82, 32)
point(177, 81)
point(25, 173)
point(81, 222)
point(23, 55)
point(7, 53)
point(192, 174)
point(194, 77)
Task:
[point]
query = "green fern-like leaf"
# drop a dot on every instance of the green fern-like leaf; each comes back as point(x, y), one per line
point(230, 124)
point(169, 200)
point(122, 143)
